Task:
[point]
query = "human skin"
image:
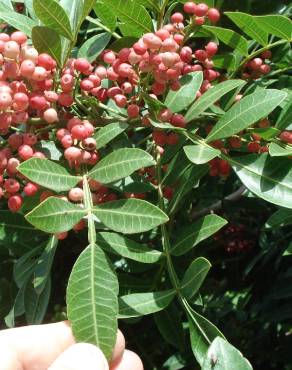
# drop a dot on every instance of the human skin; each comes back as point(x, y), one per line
point(53, 347)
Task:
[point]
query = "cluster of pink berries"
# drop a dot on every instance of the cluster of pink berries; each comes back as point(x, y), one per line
point(235, 239)
point(13, 186)
point(258, 66)
point(78, 141)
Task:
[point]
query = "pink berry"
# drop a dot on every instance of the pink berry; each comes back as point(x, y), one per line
point(125, 70)
point(140, 48)
point(109, 57)
point(178, 120)
point(66, 141)
point(165, 115)
point(265, 69)
point(51, 96)
point(211, 48)
point(86, 85)
point(38, 102)
point(201, 55)
point(152, 41)
point(73, 122)
point(30, 189)
point(50, 115)
point(29, 139)
point(177, 18)
point(11, 186)
point(76, 195)
point(65, 99)
point(67, 82)
point(25, 152)
point(190, 7)
point(15, 203)
point(18, 37)
point(15, 140)
point(100, 71)
point(12, 165)
point(120, 100)
point(79, 132)
point(133, 111)
point(21, 101)
point(11, 50)
point(89, 127)
point(89, 143)
point(186, 54)
point(5, 100)
point(72, 153)
point(46, 61)
point(82, 65)
point(201, 10)
point(213, 15)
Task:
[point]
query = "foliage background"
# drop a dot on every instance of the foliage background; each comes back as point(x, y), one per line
point(248, 291)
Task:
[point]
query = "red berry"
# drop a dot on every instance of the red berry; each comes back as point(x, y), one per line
point(159, 137)
point(177, 18)
point(79, 132)
point(30, 189)
point(15, 203)
point(213, 15)
point(201, 10)
point(190, 7)
point(82, 65)
point(286, 137)
point(133, 111)
point(25, 152)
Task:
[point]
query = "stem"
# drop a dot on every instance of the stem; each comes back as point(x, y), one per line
point(94, 21)
point(161, 14)
point(165, 239)
point(105, 107)
point(88, 203)
point(256, 53)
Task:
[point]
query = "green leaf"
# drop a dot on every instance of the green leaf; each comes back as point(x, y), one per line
point(191, 235)
point(87, 7)
point(24, 266)
point(92, 303)
point(130, 216)
point(19, 21)
point(135, 20)
point(48, 174)
point(120, 163)
point(150, 4)
point(211, 96)
point(285, 118)
point(55, 215)
point(276, 25)
point(249, 25)
point(282, 217)
point(123, 42)
point(170, 325)
point(47, 40)
point(177, 101)
point(106, 14)
point(93, 47)
point(140, 304)
point(230, 38)
point(223, 356)
point(15, 229)
point(50, 149)
point(36, 304)
point(194, 277)
point(200, 154)
point(188, 181)
point(120, 245)
point(74, 9)
point(266, 177)
point(202, 333)
point(266, 133)
point(280, 150)
point(247, 111)
point(44, 264)
point(109, 132)
point(51, 13)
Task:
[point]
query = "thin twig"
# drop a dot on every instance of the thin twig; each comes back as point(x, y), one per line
point(218, 205)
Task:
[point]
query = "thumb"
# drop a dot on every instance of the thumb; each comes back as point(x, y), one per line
point(80, 356)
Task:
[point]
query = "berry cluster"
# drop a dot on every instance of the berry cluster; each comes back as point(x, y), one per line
point(258, 66)
point(234, 239)
point(77, 140)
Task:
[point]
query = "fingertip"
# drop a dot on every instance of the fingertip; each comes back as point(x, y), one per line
point(81, 356)
point(8, 359)
point(119, 349)
point(129, 361)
